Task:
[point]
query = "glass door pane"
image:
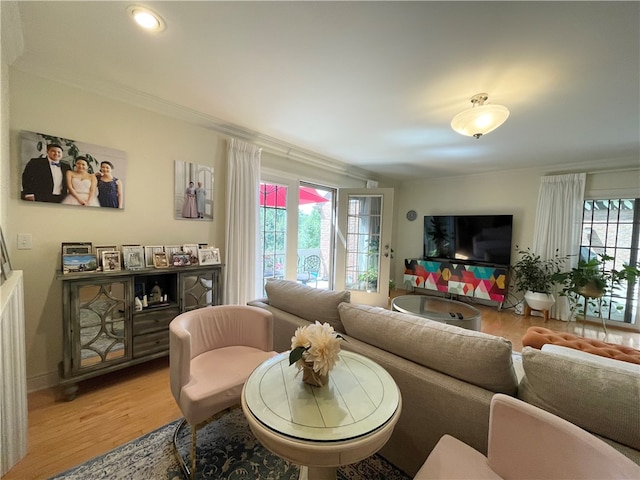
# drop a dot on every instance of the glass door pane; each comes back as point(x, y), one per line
point(363, 243)
point(273, 230)
point(315, 236)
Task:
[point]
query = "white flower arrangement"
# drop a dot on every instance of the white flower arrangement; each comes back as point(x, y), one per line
point(316, 344)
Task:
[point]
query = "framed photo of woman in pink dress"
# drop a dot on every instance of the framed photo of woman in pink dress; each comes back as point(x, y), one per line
point(69, 172)
point(193, 193)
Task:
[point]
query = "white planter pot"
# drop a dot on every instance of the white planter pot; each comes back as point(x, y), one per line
point(539, 301)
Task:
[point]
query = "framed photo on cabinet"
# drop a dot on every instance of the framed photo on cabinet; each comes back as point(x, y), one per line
point(133, 256)
point(181, 259)
point(160, 260)
point(77, 263)
point(191, 249)
point(170, 250)
point(111, 261)
point(209, 256)
point(149, 251)
point(103, 248)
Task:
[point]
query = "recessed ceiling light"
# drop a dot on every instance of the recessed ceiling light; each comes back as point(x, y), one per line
point(146, 18)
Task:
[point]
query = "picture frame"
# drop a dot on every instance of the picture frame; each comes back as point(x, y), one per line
point(149, 251)
point(181, 259)
point(76, 248)
point(209, 256)
point(5, 263)
point(79, 263)
point(193, 192)
point(36, 177)
point(111, 261)
point(192, 250)
point(133, 256)
point(160, 260)
point(170, 250)
point(103, 248)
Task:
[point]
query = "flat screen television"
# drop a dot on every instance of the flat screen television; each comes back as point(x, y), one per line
point(484, 239)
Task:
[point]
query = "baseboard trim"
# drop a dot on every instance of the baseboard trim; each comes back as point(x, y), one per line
point(40, 382)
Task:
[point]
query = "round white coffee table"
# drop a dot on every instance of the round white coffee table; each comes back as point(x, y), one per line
point(321, 428)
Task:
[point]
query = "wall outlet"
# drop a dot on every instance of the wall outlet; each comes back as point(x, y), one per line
point(24, 241)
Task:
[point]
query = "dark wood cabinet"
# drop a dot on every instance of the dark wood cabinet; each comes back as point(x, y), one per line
point(102, 329)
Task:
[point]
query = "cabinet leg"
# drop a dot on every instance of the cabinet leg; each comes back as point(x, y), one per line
point(70, 391)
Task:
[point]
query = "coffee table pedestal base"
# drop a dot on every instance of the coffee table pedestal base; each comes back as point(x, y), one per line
point(318, 473)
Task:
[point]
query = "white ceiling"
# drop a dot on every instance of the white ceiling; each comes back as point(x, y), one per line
point(371, 84)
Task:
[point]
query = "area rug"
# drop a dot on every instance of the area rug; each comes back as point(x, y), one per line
point(227, 450)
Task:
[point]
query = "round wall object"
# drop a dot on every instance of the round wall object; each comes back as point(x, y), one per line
point(412, 215)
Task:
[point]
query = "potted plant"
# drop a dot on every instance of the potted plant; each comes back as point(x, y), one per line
point(591, 280)
point(369, 279)
point(535, 277)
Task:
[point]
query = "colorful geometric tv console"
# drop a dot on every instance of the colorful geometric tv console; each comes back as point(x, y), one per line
point(488, 283)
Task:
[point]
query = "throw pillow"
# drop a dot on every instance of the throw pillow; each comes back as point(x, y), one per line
point(306, 302)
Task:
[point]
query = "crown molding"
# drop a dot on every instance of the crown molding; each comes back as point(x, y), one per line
point(32, 65)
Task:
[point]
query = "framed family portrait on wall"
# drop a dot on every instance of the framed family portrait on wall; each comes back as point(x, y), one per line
point(69, 172)
point(193, 192)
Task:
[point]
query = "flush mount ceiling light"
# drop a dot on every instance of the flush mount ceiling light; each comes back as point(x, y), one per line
point(146, 18)
point(480, 119)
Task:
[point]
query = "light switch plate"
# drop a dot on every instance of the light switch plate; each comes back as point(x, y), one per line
point(24, 241)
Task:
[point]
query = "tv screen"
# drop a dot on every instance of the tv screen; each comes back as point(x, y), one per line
point(470, 238)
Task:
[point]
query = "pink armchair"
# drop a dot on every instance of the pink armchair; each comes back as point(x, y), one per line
point(212, 351)
point(526, 442)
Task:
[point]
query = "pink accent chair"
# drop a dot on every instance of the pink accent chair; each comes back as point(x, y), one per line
point(526, 442)
point(212, 351)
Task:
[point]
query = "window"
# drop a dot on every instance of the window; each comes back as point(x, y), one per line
point(612, 227)
point(273, 229)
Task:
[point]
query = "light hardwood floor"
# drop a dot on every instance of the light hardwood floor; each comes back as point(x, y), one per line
point(115, 408)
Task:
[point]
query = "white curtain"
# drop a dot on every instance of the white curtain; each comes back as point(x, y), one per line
point(559, 224)
point(243, 184)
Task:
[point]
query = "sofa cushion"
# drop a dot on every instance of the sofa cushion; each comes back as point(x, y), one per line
point(306, 302)
point(601, 399)
point(474, 357)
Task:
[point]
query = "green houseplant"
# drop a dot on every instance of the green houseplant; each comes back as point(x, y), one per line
point(535, 277)
point(591, 280)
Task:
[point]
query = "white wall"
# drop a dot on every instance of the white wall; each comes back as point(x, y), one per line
point(152, 143)
point(513, 192)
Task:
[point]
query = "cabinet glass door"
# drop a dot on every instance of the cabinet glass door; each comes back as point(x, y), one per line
point(200, 289)
point(100, 335)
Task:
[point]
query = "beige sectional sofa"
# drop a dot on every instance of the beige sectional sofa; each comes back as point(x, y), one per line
point(447, 375)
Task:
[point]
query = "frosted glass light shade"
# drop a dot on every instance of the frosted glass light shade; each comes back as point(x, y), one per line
point(480, 120)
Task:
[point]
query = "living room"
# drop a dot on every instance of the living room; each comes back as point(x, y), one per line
point(155, 134)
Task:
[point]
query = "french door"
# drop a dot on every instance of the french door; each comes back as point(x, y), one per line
point(297, 232)
point(363, 246)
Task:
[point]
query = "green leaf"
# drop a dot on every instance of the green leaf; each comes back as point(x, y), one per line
point(296, 354)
